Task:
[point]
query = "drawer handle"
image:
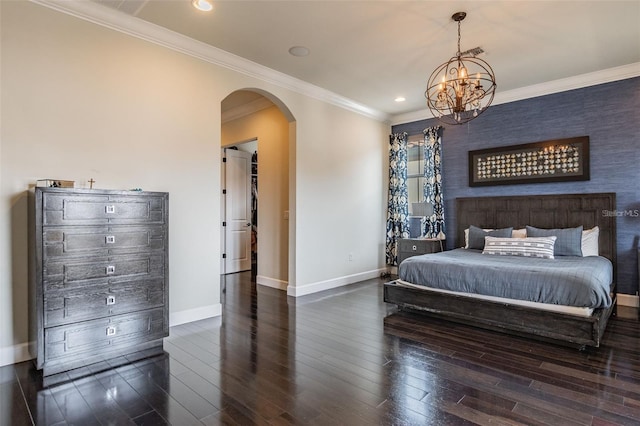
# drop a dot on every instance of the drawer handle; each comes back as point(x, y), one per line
point(110, 209)
point(111, 269)
point(111, 331)
point(415, 248)
point(110, 239)
point(111, 300)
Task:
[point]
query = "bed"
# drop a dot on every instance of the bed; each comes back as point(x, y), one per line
point(578, 326)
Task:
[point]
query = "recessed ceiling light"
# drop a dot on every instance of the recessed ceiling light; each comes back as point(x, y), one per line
point(299, 51)
point(400, 99)
point(203, 5)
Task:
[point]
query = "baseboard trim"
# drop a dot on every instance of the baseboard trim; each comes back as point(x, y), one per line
point(14, 354)
point(196, 314)
point(303, 290)
point(20, 352)
point(628, 300)
point(271, 282)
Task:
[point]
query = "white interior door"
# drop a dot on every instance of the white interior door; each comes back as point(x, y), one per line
point(238, 211)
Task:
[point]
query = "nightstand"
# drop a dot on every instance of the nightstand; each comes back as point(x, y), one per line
point(408, 247)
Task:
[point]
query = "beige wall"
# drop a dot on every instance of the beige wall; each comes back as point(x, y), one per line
point(341, 190)
point(271, 129)
point(81, 101)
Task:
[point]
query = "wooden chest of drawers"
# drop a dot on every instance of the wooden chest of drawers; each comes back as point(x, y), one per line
point(408, 247)
point(98, 275)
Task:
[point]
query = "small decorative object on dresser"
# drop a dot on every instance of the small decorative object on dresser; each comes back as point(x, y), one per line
point(98, 276)
point(55, 183)
point(408, 247)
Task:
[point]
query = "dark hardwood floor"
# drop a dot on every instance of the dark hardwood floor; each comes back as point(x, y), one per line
point(341, 357)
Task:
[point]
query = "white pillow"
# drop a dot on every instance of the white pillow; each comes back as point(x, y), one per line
point(590, 245)
point(537, 247)
point(516, 233)
point(519, 233)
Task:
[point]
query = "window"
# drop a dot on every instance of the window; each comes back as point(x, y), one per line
point(415, 171)
point(418, 208)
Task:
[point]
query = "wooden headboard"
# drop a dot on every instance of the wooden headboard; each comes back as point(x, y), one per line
point(543, 211)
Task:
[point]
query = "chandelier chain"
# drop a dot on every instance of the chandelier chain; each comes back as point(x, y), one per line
point(459, 39)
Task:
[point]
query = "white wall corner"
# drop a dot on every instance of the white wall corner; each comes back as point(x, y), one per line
point(271, 282)
point(333, 283)
point(628, 300)
point(14, 354)
point(196, 314)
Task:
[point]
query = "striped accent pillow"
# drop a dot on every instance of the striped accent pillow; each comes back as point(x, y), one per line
point(540, 247)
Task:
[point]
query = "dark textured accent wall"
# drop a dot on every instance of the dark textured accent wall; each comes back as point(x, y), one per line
point(608, 113)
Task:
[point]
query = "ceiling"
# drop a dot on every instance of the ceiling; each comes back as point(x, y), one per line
point(371, 52)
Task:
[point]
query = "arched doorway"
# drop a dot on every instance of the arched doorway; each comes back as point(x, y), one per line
point(256, 119)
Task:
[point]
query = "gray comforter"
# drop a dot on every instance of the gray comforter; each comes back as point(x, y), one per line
point(565, 280)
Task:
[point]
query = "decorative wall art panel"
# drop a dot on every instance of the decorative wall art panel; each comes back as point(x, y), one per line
point(548, 161)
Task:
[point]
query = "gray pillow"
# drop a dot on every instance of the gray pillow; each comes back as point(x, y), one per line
point(568, 243)
point(476, 236)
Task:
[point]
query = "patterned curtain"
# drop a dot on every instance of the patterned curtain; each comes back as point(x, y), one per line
point(398, 207)
point(434, 224)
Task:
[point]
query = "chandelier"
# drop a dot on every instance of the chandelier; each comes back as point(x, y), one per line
point(463, 87)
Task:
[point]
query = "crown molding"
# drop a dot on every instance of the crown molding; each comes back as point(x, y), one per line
point(550, 87)
point(130, 25)
point(570, 83)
